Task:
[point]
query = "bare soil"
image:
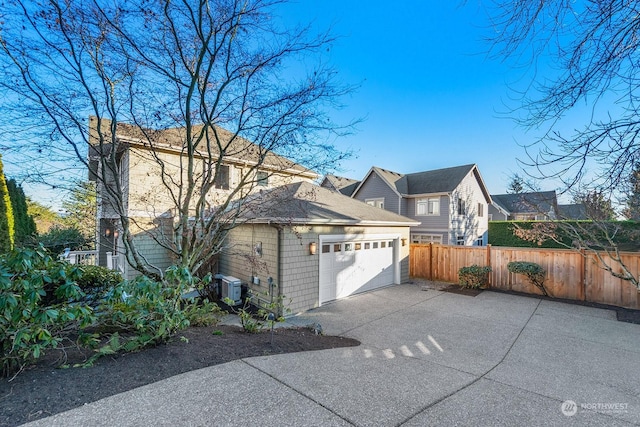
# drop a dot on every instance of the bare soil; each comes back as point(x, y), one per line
point(45, 389)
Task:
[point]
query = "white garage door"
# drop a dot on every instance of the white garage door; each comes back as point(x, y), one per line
point(352, 266)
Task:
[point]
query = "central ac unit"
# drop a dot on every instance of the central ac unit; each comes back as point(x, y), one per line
point(231, 287)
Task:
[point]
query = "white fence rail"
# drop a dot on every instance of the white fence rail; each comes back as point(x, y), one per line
point(114, 262)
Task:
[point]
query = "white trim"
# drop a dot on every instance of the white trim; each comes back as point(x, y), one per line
point(333, 238)
point(392, 187)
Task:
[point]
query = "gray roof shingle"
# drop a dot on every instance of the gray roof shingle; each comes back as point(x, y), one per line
point(303, 203)
point(533, 202)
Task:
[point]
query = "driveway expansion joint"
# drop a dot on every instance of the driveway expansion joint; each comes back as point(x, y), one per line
point(246, 361)
point(478, 378)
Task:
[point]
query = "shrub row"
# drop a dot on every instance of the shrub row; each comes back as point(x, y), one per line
point(46, 303)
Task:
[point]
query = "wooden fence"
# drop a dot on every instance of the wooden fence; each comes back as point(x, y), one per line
point(570, 274)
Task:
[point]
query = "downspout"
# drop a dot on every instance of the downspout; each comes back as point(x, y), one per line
point(279, 266)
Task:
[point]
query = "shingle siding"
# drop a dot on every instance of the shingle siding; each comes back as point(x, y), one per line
point(299, 278)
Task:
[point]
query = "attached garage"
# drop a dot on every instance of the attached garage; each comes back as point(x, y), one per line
point(317, 246)
point(349, 265)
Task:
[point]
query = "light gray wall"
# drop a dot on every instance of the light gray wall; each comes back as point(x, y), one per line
point(375, 187)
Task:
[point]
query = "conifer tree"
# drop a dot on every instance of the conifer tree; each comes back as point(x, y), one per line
point(6, 214)
point(24, 225)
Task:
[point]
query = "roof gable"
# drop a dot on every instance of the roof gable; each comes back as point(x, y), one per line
point(388, 177)
point(427, 182)
point(344, 185)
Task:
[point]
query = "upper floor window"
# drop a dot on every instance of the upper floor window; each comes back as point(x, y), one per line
point(460, 240)
point(462, 208)
point(378, 203)
point(429, 206)
point(262, 178)
point(222, 178)
point(480, 210)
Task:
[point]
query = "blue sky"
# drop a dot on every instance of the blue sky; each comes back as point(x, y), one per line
point(431, 96)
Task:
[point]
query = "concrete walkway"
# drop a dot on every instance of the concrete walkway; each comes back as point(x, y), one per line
point(427, 358)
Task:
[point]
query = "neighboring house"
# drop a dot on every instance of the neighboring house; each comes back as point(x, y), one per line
point(147, 200)
point(316, 245)
point(343, 185)
point(449, 205)
point(538, 205)
point(577, 211)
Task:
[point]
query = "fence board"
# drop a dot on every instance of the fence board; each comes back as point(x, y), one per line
point(570, 274)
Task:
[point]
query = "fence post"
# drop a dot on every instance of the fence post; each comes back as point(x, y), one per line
point(488, 262)
point(583, 275)
point(430, 260)
point(110, 260)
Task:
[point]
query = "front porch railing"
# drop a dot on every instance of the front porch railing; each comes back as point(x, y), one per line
point(114, 262)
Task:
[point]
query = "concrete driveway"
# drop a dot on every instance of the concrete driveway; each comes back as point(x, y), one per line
point(427, 358)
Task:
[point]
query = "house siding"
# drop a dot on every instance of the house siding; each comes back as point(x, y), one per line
point(374, 188)
point(496, 214)
point(471, 225)
point(299, 277)
point(238, 257)
point(147, 199)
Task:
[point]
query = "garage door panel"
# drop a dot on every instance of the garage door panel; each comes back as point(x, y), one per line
point(352, 266)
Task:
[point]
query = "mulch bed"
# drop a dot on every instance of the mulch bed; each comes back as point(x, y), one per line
point(455, 289)
point(45, 390)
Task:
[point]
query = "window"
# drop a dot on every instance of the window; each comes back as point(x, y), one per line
point(383, 244)
point(375, 245)
point(430, 206)
point(460, 240)
point(479, 241)
point(480, 210)
point(348, 247)
point(337, 247)
point(462, 209)
point(367, 245)
point(358, 246)
point(326, 249)
point(222, 178)
point(262, 178)
point(426, 238)
point(378, 203)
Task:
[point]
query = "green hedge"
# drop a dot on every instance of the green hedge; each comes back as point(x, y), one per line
point(501, 234)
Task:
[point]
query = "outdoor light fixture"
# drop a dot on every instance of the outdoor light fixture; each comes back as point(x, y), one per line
point(404, 242)
point(313, 247)
point(258, 249)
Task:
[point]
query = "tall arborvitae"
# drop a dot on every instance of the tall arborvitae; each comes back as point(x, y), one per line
point(6, 214)
point(25, 227)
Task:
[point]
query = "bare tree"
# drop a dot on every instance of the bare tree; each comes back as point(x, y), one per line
point(589, 51)
point(225, 78)
point(592, 50)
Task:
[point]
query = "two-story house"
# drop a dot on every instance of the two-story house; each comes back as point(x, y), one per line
point(450, 204)
point(150, 172)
